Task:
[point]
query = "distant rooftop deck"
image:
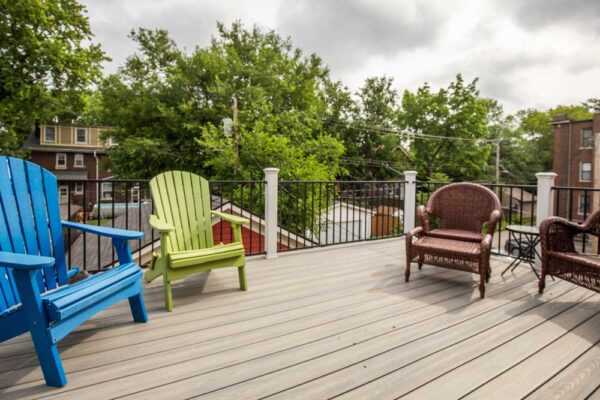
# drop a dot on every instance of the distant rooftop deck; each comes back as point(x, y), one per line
point(333, 322)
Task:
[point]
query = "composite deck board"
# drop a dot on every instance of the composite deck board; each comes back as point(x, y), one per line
point(576, 380)
point(338, 321)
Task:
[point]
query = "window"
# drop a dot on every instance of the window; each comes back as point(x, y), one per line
point(78, 188)
point(61, 161)
point(106, 192)
point(587, 138)
point(584, 204)
point(78, 160)
point(63, 194)
point(112, 141)
point(585, 172)
point(81, 136)
point(135, 194)
point(50, 134)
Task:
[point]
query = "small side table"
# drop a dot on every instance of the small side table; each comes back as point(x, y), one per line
point(528, 252)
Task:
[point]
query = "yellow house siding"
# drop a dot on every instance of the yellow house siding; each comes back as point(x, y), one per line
point(65, 136)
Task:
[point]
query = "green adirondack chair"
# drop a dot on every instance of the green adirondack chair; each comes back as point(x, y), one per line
point(183, 218)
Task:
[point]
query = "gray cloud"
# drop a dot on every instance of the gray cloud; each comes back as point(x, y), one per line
point(541, 13)
point(526, 53)
point(345, 32)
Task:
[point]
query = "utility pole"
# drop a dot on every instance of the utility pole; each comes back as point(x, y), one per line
point(498, 162)
point(234, 111)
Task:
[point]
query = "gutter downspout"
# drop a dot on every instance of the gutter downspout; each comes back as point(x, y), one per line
point(97, 167)
point(569, 156)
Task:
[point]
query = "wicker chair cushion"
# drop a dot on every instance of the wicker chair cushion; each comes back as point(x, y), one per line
point(588, 260)
point(449, 247)
point(456, 234)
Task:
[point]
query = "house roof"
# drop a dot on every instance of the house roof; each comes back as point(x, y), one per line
point(256, 221)
point(95, 245)
point(519, 194)
point(350, 206)
point(387, 210)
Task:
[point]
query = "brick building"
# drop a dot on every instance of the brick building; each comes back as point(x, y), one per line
point(73, 153)
point(576, 160)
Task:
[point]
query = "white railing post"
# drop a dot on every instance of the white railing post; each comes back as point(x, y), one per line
point(410, 198)
point(545, 203)
point(271, 177)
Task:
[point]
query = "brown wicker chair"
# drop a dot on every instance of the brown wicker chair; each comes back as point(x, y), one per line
point(458, 243)
point(559, 257)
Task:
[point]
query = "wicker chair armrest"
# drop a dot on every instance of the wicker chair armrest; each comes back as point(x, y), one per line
point(415, 232)
point(495, 216)
point(557, 234)
point(486, 243)
point(423, 215)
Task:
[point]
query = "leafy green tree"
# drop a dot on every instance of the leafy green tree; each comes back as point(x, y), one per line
point(373, 149)
point(169, 106)
point(527, 148)
point(47, 61)
point(457, 113)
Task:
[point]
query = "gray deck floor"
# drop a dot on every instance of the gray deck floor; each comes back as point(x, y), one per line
point(336, 322)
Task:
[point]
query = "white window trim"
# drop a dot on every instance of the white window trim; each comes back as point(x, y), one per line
point(135, 192)
point(102, 191)
point(592, 139)
point(75, 160)
point(111, 141)
point(57, 165)
point(579, 203)
point(63, 199)
point(581, 171)
point(86, 136)
point(75, 190)
point(46, 138)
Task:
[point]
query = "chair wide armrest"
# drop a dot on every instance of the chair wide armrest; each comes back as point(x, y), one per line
point(160, 226)
point(24, 261)
point(423, 216)
point(495, 216)
point(486, 243)
point(104, 231)
point(557, 234)
point(231, 218)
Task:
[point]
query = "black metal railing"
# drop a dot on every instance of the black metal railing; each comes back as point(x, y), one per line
point(245, 199)
point(310, 213)
point(127, 204)
point(324, 213)
point(576, 204)
point(123, 204)
point(518, 202)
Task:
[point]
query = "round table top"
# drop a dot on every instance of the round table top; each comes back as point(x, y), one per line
point(527, 229)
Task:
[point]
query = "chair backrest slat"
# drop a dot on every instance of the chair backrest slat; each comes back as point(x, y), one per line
point(29, 223)
point(36, 186)
point(53, 207)
point(193, 218)
point(8, 292)
point(24, 209)
point(182, 199)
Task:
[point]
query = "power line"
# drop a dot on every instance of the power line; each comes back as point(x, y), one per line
point(409, 134)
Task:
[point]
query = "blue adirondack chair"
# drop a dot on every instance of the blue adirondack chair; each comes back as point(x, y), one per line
point(35, 295)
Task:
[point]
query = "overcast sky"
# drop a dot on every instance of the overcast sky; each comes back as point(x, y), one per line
point(526, 53)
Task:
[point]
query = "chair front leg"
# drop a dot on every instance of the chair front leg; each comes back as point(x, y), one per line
point(46, 350)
